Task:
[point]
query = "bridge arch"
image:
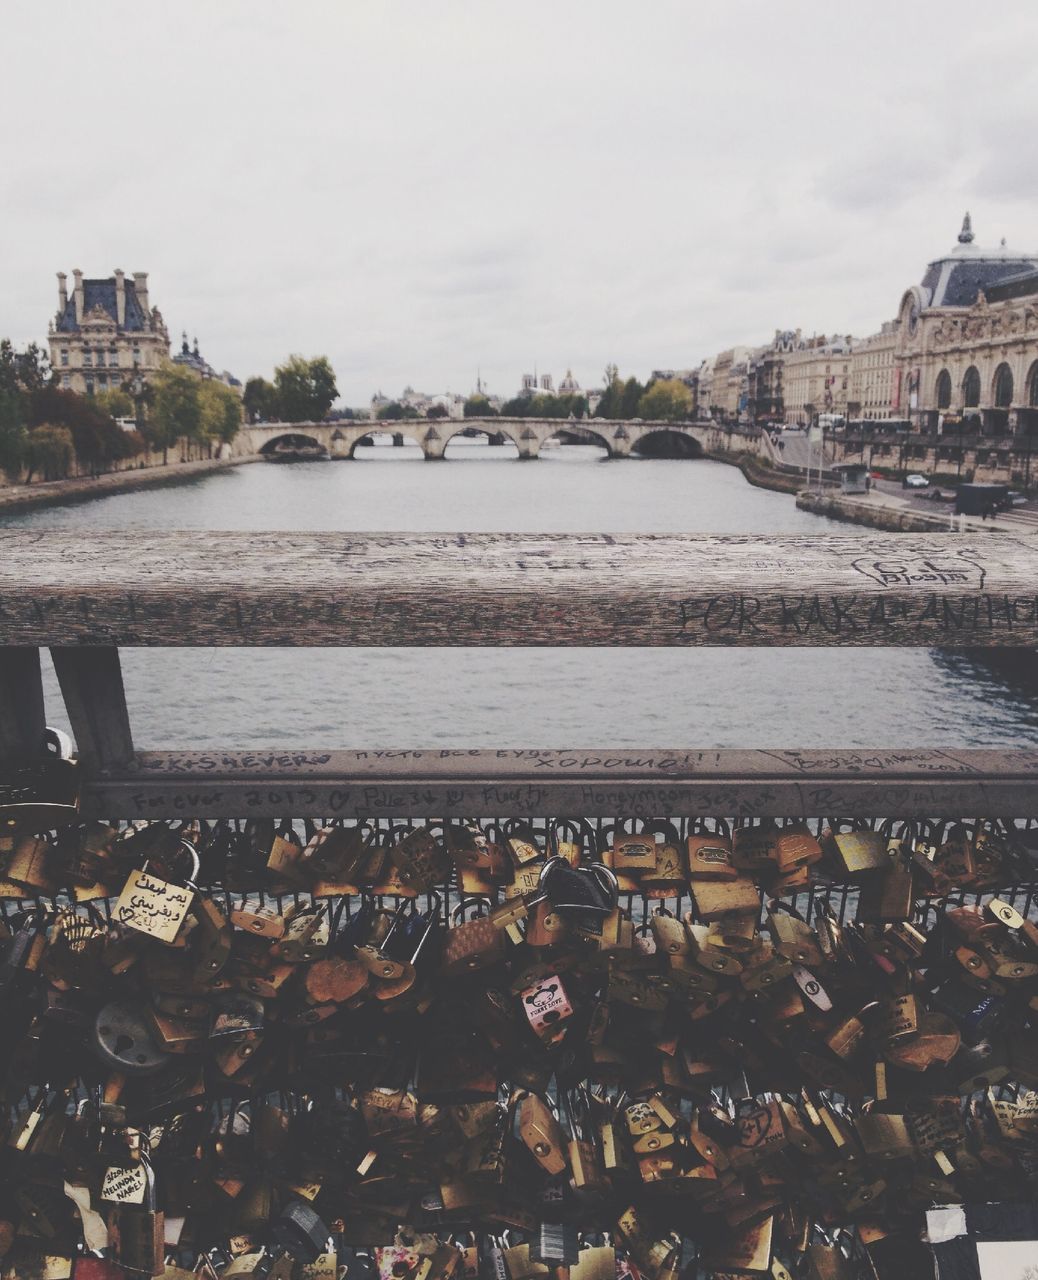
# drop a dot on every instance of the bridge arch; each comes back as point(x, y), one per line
point(484, 428)
point(579, 432)
point(667, 442)
point(400, 434)
point(288, 441)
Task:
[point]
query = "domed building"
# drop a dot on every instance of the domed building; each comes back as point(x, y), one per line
point(569, 386)
point(966, 347)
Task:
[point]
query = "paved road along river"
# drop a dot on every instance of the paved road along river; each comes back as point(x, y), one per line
point(527, 697)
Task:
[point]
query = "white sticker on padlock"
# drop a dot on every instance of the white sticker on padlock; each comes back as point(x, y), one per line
point(124, 1184)
point(812, 988)
point(95, 1229)
point(153, 906)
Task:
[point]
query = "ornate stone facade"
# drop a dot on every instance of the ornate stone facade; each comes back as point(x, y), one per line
point(728, 385)
point(967, 342)
point(816, 379)
point(105, 334)
point(874, 382)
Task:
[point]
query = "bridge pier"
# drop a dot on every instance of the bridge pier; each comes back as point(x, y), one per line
point(620, 445)
point(433, 445)
point(528, 442)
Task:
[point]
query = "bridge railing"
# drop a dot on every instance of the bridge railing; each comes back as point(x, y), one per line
point(85, 596)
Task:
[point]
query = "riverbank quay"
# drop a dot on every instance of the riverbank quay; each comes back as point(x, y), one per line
point(893, 514)
point(758, 473)
point(54, 493)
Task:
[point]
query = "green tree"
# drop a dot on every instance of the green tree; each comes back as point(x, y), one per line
point(610, 404)
point(22, 373)
point(27, 370)
point(117, 403)
point(478, 406)
point(176, 408)
point(260, 400)
point(395, 412)
point(13, 433)
point(632, 393)
point(49, 452)
point(305, 389)
point(668, 400)
point(97, 438)
point(221, 411)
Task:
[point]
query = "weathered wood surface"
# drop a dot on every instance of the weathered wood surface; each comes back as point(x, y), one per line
point(577, 783)
point(139, 588)
point(92, 687)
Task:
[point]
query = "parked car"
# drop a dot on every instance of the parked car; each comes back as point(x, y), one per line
point(915, 482)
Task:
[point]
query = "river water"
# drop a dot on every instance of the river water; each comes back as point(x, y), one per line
point(528, 697)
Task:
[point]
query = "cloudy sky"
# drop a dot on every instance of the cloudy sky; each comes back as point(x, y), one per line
point(421, 188)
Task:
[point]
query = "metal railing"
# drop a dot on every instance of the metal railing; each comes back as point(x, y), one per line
point(84, 596)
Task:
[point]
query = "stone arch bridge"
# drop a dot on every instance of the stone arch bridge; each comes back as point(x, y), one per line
point(620, 439)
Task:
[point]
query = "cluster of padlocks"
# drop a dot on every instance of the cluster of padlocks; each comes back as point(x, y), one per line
point(508, 1051)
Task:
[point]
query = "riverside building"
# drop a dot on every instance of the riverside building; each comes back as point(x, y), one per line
point(105, 332)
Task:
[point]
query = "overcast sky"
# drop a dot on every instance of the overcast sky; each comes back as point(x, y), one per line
point(421, 188)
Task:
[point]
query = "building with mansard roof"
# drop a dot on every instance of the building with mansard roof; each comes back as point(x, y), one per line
point(192, 359)
point(105, 332)
point(966, 347)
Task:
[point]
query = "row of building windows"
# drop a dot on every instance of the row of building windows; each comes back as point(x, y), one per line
point(91, 358)
point(100, 383)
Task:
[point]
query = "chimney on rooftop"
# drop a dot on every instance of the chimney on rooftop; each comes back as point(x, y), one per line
point(77, 293)
point(120, 298)
point(62, 293)
point(140, 287)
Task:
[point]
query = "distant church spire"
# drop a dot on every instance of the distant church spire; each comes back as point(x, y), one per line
point(966, 234)
point(183, 343)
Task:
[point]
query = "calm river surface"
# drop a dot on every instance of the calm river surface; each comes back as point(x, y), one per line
point(528, 697)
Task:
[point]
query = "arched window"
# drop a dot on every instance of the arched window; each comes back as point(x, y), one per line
point(944, 389)
point(1002, 390)
point(1032, 386)
point(971, 388)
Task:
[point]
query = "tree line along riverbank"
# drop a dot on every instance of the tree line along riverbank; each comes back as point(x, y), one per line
point(56, 493)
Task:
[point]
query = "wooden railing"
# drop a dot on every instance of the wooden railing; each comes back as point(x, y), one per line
point(84, 595)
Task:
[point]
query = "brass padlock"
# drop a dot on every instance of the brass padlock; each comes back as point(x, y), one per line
point(859, 852)
point(540, 1133)
point(884, 1136)
point(139, 1232)
point(634, 852)
point(710, 857)
point(421, 860)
